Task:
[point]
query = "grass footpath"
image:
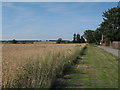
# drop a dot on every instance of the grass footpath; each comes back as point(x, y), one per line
point(96, 69)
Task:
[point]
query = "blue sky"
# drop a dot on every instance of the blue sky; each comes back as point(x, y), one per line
point(50, 20)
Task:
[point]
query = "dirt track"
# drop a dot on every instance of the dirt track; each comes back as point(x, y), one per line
point(110, 50)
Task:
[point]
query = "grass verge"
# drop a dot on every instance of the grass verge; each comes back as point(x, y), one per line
point(96, 69)
point(67, 69)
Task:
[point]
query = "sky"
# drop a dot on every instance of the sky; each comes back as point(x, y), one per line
point(60, 0)
point(50, 20)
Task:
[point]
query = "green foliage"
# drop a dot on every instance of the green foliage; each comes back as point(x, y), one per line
point(111, 25)
point(110, 28)
point(89, 35)
point(74, 38)
point(63, 41)
point(94, 71)
point(77, 39)
point(14, 41)
point(67, 42)
point(107, 41)
point(59, 40)
point(82, 40)
point(97, 35)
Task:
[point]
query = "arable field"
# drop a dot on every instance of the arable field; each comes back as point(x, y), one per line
point(35, 65)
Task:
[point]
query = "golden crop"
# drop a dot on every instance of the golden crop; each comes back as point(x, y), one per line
point(15, 56)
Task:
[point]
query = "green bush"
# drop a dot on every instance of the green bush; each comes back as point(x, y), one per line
point(59, 40)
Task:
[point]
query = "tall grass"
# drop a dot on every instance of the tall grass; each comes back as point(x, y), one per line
point(0, 66)
point(42, 71)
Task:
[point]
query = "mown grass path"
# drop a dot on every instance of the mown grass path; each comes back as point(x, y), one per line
point(96, 69)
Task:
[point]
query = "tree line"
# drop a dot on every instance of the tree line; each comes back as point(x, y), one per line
point(109, 28)
point(76, 39)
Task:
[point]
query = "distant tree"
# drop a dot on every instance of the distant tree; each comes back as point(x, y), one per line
point(74, 38)
point(89, 36)
point(14, 41)
point(66, 42)
point(78, 38)
point(98, 35)
point(82, 39)
point(111, 24)
point(59, 40)
point(110, 28)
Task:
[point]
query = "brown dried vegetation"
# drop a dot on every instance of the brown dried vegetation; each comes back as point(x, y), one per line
point(37, 64)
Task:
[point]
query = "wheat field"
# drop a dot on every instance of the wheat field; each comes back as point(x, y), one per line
point(15, 56)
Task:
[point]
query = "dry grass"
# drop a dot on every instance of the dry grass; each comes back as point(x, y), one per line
point(16, 56)
point(45, 42)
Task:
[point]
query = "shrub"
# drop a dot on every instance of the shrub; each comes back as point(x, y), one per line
point(59, 40)
point(14, 41)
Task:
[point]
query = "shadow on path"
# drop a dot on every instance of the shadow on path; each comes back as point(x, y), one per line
point(61, 81)
point(95, 68)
